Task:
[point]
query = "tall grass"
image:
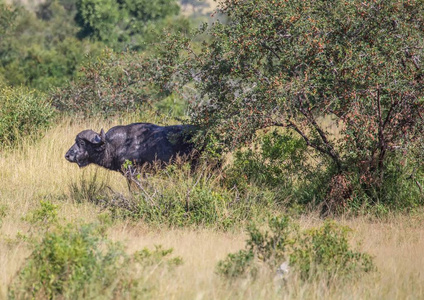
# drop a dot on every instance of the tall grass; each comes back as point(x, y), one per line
point(38, 171)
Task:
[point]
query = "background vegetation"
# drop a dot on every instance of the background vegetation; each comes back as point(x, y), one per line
point(305, 110)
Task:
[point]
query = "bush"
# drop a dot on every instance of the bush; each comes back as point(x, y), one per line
point(66, 261)
point(270, 162)
point(23, 113)
point(399, 188)
point(325, 251)
point(45, 216)
point(79, 262)
point(319, 253)
point(277, 163)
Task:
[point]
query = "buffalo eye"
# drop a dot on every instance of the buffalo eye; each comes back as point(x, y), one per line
point(82, 143)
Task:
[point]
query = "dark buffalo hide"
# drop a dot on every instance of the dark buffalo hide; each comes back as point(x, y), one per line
point(138, 143)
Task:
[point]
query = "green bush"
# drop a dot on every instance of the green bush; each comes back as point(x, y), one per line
point(66, 261)
point(319, 253)
point(399, 188)
point(277, 162)
point(270, 162)
point(79, 262)
point(325, 251)
point(237, 264)
point(44, 216)
point(23, 113)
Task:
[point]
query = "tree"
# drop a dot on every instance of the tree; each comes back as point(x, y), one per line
point(40, 50)
point(291, 63)
point(98, 19)
point(115, 22)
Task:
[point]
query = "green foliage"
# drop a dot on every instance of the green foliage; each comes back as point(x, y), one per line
point(276, 163)
point(172, 106)
point(179, 198)
point(316, 253)
point(325, 251)
point(157, 257)
point(145, 10)
point(271, 161)
point(7, 17)
point(23, 114)
point(65, 261)
point(237, 264)
point(98, 19)
point(400, 188)
point(79, 262)
point(46, 48)
point(45, 216)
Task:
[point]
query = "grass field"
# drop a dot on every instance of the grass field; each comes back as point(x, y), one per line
point(37, 171)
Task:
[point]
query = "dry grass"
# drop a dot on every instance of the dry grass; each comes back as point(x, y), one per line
point(38, 171)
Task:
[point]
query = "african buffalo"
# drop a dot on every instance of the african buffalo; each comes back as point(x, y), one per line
point(138, 143)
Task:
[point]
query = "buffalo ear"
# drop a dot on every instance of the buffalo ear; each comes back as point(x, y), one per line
point(98, 139)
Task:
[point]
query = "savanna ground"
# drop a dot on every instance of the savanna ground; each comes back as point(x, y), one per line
point(38, 171)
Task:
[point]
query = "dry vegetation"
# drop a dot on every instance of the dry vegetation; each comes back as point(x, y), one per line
point(38, 171)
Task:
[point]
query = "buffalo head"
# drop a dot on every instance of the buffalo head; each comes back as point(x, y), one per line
point(87, 144)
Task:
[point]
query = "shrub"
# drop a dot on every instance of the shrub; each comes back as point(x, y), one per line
point(45, 216)
point(399, 188)
point(276, 162)
point(237, 264)
point(325, 251)
point(64, 262)
point(319, 253)
point(79, 262)
point(23, 113)
point(270, 162)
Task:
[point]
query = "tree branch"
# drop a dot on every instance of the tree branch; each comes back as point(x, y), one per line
point(308, 142)
point(381, 138)
point(331, 152)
